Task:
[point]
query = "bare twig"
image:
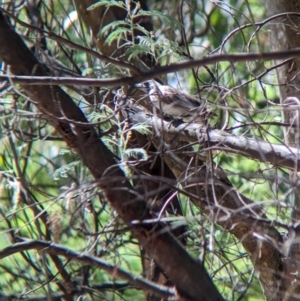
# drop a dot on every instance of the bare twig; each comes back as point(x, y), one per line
point(54, 249)
point(279, 155)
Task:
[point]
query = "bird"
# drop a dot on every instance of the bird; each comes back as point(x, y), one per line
point(179, 105)
point(291, 113)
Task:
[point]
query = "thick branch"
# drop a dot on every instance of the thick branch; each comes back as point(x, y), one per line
point(54, 249)
point(60, 110)
point(73, 45)
point(284, 35)
point(212, 192)
point(278, 155)
point(159, 71)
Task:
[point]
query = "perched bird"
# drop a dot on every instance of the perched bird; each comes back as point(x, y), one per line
point(291, 113)
point(177, 104)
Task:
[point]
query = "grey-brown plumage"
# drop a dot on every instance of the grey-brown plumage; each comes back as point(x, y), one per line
point(177, 104)
point(291, 110)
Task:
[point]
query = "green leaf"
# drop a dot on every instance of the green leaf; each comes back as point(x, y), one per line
point(63, 171)
point(107, 3)
point(87, 71)
point(64, 151)
point(167, 47)
point(146, 41)
point(170, 21)
point(117, 34)
point(113, 25)
point(136, 50)
point(142, 128)
point(167, 44)
point(141, 29)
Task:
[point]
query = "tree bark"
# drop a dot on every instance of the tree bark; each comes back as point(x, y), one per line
point(65, 116)
point(285, 36)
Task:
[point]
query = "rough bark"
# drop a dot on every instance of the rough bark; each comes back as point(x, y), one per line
point(203, 186)
point(214, 139)
point(63, 114)
point(285, 36)
point(209, 189)
point(95, 20)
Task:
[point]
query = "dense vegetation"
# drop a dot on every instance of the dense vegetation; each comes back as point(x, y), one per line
point(102, 196)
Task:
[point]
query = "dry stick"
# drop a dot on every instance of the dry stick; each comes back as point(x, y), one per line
point(54, 249)
point(278, 155)
point(73, 45)
point(143, 76)
point(57, 106)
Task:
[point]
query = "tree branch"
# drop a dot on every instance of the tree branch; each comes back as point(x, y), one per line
point(54, 249)
point(155, 72)
point(59, 109)
point(278, 155)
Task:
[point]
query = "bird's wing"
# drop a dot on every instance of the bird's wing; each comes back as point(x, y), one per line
point(171, 97)
point(190, 101)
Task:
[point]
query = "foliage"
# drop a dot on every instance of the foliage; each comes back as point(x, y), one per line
point(47, 193)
